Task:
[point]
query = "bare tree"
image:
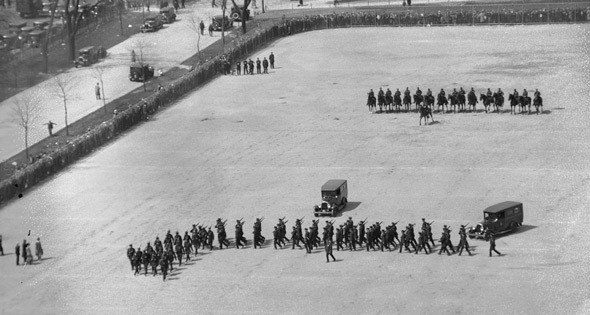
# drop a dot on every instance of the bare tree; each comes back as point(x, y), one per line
point(26, 114)
point(63, 91)
point(193, 24)
point(73, 19)
point(141, 45)
point(98, 73)
point(223, 8)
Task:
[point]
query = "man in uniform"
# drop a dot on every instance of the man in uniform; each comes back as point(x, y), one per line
point(461, 91)
point(429, 93)
point(329, 254)
point(265, 65)
point(17, 253)
point(258, 66)
point(407, 92)
point(489, 93)
point(187, 248)
point(295, 238)
point(271, 58)
point(442, 93)
point(137, 260)
point(179, 251)
point(339, 238)
point(493, 244)
point(537, 93)
point(444, 243)
point(422, 242)
point(447, 231)
point(515, 93)
point(397, 93)
point(130, 254)
point(463, 242)
point(353, 238)
point(276, 236)
point(145, 260)
point(308, 241)
point(210, 238)
point(251, 66)
point(238, 68)
point(164, 266)
point(525, 93)
point(239, 234)
point(418, 91)
point(245, 66)
point(154, 263)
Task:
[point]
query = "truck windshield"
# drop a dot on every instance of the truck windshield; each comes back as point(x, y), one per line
point(329, 194)
point(490, 217)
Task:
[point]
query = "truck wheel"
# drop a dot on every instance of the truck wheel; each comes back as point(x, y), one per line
point(235, 16)
point(316, 215)
point(513, 226)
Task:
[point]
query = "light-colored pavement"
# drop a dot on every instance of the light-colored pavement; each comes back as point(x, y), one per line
point(266, 153)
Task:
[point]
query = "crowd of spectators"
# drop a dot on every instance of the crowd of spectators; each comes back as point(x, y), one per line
point(429, 16)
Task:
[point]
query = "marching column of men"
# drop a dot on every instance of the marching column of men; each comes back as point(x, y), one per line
point(347, 235)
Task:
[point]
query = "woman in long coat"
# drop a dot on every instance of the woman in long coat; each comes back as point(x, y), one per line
point(38, 249)
point(29, 255)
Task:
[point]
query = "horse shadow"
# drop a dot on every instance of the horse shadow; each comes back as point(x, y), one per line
point(171, 279)
point(436, 122)
point(351, 205)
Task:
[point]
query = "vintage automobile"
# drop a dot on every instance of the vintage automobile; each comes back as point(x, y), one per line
point(139, 72)
point(334, 198)
point(89, 55)
point(236, 13)
point(9, 41)
point(36, 37)
point(168, 15)
point(504, 217)
point(152, 24)
point(217, 20)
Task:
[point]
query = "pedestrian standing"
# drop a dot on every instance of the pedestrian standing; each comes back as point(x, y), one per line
point(210, 29)
point(251, 67)
point(24, 252)
point(238, 70)
point(329, 251)
point(258, 66)
point(1, 249)
point(17, 252)
point(202, 27)
point(271, 58)
point(133, 56)
point(38, 249)
point(50, 125)
point(29, 260)
point(265, 65)
point(245, 67)
point(493, 245)
point(130, 254)
point(97, 90)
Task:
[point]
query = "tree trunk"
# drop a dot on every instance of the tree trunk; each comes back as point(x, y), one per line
point(244, 16)
point(66, 117)
point(223, 30)
point(45, 49)
point(104, 102)
point(71, 45)
point(27, 142)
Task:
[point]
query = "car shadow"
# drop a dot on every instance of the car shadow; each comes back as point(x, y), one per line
point(521, 229)
point(351, 205)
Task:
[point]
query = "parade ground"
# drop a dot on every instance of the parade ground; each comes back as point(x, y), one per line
point(262, 146)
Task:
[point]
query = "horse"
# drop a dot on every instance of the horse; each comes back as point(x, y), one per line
point(538, 102)
point(388, 102)
point(454, 100)
point(429, 101)
point(487, 101)
point(442, 101)
point(372, 103)
point(425, 112)
point(397, 102)
point(461, 102)
point(381, 100)
point(513, 103)
point(498, 101)
point(524, 101)
point(418, 99)
point(472, 101)
point(407, 102)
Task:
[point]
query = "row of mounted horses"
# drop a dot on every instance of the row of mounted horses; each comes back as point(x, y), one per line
point(455, 102)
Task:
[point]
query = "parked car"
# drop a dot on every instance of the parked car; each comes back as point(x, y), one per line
point(236, 13)
point(168, 15)
point(36, 37)
point(89, 55)
point(152, 24)
point(218, 19)
point(139, 72)
point(504, 217)
point(334, 198)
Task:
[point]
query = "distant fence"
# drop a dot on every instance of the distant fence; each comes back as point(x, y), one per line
point(235, 50)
